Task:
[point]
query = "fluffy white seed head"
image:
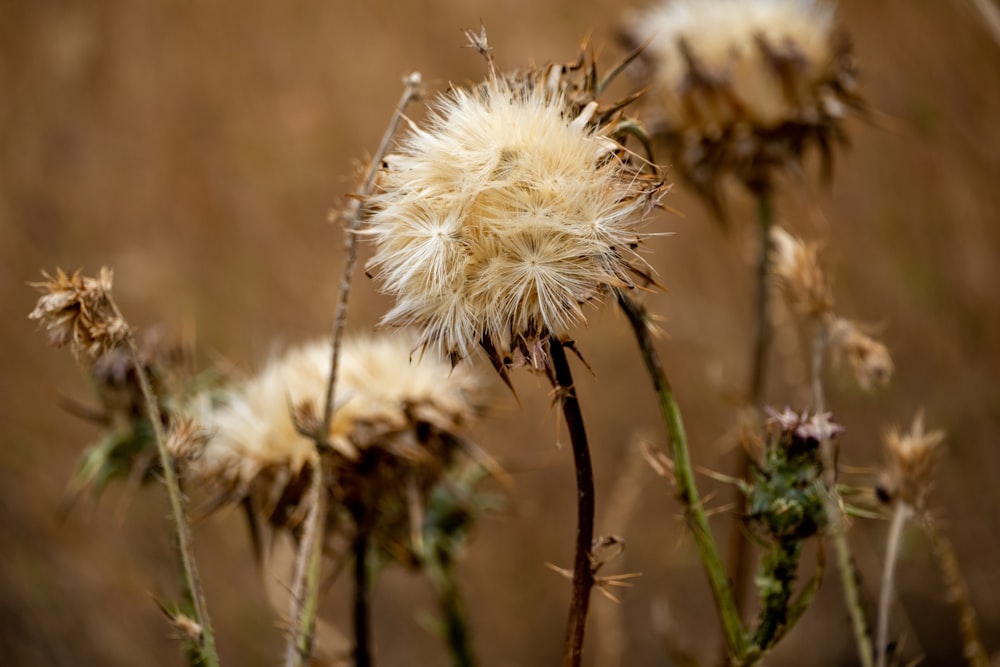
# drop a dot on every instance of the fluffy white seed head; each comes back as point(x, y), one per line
point(501, 217)
point(381, 393)
point(729, 40)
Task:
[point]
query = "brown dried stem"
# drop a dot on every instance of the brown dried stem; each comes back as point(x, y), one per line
point(305, 590)
point(583, 574)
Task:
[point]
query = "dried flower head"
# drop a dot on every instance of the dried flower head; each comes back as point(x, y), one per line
point(77, 311)
point(909, 471)
point(497, 221)
point(796, 265)
point(399, 422)
point(743, 86)
point(868, 359)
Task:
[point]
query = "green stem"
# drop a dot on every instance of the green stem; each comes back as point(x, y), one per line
point(185, 542)
point(834, 514)
point(456, 630)
point(694, 513)
point(305, 588)
point(583, 574)
point(738, 557)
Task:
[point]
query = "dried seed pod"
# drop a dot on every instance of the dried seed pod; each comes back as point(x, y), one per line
point(743, 87)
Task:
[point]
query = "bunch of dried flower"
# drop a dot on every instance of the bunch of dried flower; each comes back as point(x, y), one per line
point(399, 426)
point(744, 87)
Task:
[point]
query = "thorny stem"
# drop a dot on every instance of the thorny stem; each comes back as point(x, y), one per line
point(899, 518)
point(185, 543)
point(305, 589)
point(739, 546)
point(583, 574)
point(456, 631)
point(958, 592)
point(836, 528)
point(694, 513)
point(362, 600)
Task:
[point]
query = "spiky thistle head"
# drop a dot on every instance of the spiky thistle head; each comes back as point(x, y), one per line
point(77, 311)
point(505, 214)
point(744, 86)
point(399, 422)
point(910, 460)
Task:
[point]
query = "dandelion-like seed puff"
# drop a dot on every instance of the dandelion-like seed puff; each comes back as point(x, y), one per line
point(744, 87)
point(400, 424)
point(497, 221)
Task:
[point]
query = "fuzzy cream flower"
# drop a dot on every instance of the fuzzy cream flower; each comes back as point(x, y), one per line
point(743, 86)
point(497, 221)
point(399, 422)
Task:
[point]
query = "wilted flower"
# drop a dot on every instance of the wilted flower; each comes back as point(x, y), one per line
point(908, 475)
point(743, 86)
point(76, 311)
point(497, 221)
point(868, 359)
point(398, 425)
point(796, 264)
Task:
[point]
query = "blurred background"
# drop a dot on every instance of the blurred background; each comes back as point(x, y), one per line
point(197, 148)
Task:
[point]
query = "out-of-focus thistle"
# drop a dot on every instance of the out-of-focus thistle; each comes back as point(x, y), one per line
point(399, 426)
point(76, 311)
point(796, 267)
point(80, 312)
point(744, 87)
point(910, 460)
point(511, 208)
point(786, 505)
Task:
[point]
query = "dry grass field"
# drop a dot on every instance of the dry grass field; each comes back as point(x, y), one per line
point(197, 149)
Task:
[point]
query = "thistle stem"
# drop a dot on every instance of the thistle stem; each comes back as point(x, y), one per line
point(687, 491)
point(305, 589)
point(899, 518)
point(362, 600)
point(456, 631)
point(738, 557)
point(834, 515)
point(583, 575)
point(185, 542)
point(958, 592)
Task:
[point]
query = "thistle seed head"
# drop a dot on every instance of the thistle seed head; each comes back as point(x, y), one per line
point(867, 358)
point(502, 217)
point(796, 266)
point(77, 311)
point(743, 86)
point(911, 456)
point(397, 418)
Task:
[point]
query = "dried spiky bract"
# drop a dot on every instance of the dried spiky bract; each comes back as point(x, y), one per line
point(911, 457)
point(867, 358)
point(796, 265)
point(398, 425)
point(505, 214)
point(76, 311)
point(743, 86)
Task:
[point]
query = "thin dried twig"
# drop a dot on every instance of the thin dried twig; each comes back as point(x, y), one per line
point(305, 591)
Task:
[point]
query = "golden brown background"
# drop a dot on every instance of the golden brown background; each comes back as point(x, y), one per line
point(196, 147)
